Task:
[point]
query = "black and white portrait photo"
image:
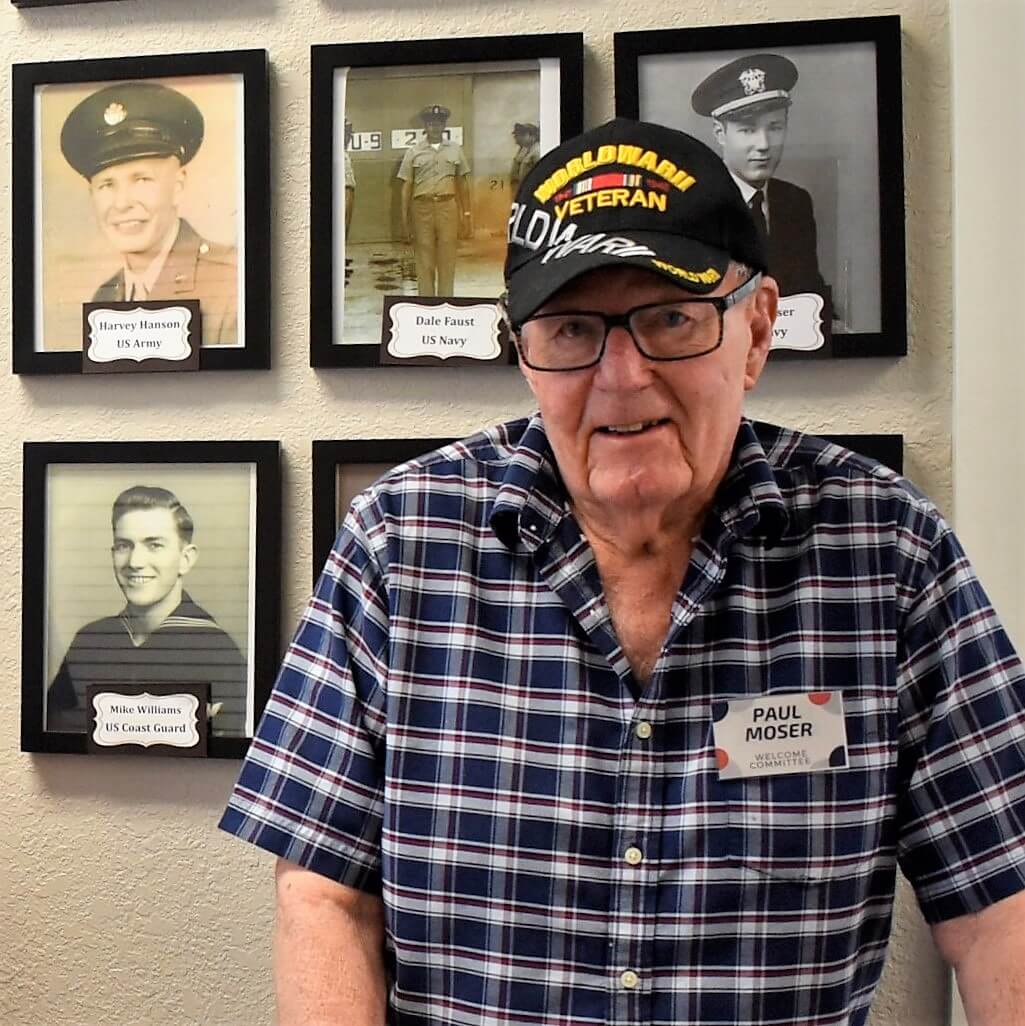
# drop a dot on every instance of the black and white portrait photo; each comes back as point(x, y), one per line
point(147, 576)
point(149, 580)
point(797, 125)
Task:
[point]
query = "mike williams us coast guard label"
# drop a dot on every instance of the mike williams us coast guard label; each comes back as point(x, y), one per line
point(764, 737)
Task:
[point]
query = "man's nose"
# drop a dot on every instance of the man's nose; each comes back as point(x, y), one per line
point(760, 140)
point(122, 197)
point(623, 365)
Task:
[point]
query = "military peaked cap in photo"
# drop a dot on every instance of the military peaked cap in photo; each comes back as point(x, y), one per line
point(761, 78)
point(435, 112)
point(128, 121)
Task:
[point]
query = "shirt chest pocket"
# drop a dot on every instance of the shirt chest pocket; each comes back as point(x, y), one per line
point(815, 827)
point(433, 163)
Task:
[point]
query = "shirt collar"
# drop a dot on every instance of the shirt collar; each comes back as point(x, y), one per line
point(532, 499)
point(748, 191)
point(149, 278)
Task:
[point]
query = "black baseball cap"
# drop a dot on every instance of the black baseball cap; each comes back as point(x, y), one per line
point(128, 121)
point(631, 193)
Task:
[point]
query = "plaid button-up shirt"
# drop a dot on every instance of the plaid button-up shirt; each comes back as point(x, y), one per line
point(456, 726)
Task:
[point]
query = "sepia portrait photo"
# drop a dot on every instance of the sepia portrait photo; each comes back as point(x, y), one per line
point(140, 197)
point(149, 579)
point(141, 180)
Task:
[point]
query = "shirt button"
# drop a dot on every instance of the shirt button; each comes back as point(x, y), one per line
point(643, 730)
point(633, 856)
point(629, 979)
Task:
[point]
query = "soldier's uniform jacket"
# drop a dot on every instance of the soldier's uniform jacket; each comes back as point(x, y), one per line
point(194, 269)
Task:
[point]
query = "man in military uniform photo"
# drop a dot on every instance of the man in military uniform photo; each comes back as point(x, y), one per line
point(749, 102)
point(161, 636)
point(435, 203)
point(131, 142)
point(526, 135)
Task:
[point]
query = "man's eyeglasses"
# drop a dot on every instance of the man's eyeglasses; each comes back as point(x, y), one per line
point(575, 339)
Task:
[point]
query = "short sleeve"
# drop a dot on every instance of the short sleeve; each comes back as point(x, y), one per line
point(961, 763)
point(405, 171)
point(310, 789)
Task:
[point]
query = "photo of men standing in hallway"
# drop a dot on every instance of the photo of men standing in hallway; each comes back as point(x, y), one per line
point(431, 153)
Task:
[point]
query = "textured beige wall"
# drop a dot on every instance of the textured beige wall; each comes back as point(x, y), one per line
point(119, 902)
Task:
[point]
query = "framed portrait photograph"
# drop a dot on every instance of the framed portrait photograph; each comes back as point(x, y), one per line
point(51, 3)
point(148, 567)
point(141, 198)
point(807, 117)
point(416, 151)
point(342, 469)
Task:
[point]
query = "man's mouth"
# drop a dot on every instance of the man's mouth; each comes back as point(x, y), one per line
point(631, 429)
point(136, 579)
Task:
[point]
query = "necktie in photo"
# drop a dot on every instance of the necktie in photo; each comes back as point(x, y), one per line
point(138, 292)
point(758, 213)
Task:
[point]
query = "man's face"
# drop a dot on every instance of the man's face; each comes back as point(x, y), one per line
point(137, 202)
point(752, 146)
point(435, 129)
point(149, 557)
point(690, 409)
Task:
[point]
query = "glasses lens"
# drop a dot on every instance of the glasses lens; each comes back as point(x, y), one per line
point(562, 341)
point(676, 329)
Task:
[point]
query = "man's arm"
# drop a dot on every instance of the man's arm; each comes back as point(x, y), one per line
point(462, 183)
point(987, 952)
point(407, 198)
point(328, 952)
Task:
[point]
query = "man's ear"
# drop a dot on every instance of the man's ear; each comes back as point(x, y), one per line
point(188, 558)
point(718, 130)
point(179, 184)
point(764, 304)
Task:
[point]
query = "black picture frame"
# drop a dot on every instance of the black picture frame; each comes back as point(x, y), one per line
point(326, 252)
point(888, 449)
point(374, 456)
point(31, 353)
point(869, 249)
point(93, 473)
point(51, 3)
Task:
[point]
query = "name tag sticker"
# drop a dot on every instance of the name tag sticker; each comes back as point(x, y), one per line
point(775, 734)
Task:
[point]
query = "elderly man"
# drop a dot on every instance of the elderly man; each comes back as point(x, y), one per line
point(131, 142)
point(626, 712)
point(749, 103)
point(435, 203)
